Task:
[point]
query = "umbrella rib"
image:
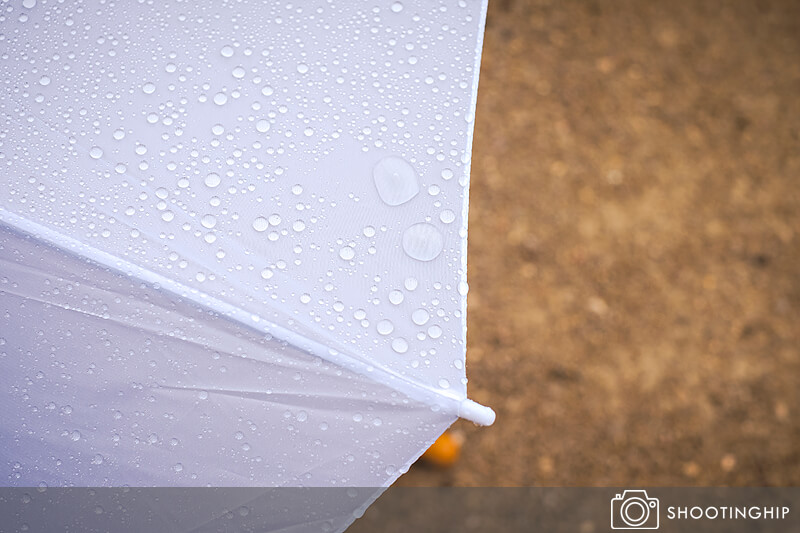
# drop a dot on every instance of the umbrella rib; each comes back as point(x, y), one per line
point(451, 403)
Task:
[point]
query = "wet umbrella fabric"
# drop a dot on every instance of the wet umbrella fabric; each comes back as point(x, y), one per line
point(233, 240)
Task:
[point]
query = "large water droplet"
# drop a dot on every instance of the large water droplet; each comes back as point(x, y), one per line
point(96, 152)
point(395, 180)
point(400, 345)
point(220, 98)
point(396, 297)
point(260, 224)
point(347, 253)
point(385, 327)
point(423, 242)
point(420, 317)
point(447, 216)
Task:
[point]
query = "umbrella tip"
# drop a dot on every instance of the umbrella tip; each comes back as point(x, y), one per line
point(477, 413)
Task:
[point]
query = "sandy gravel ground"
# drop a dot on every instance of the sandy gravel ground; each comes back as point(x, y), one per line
point(634, 312)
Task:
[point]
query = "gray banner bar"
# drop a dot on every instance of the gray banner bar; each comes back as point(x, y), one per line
point(402, 509)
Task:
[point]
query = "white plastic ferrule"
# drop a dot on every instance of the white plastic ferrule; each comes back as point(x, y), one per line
point(477, 413)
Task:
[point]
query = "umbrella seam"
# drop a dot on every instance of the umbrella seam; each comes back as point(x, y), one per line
point(411, 388)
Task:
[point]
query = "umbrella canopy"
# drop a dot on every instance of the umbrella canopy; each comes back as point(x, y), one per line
point(233, 244)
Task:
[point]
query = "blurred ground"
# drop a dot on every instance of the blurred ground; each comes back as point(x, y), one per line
point(634, 257)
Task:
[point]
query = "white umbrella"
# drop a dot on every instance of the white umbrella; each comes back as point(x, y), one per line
point(233, 239)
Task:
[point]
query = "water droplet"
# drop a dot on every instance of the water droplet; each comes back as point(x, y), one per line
point(369, 231)
point(148, 88)
point(262, 126)
point(260, 224)
point(411, 284)
point(208, 221)
point(308, 132)
point(178, 467)
point(447, 216)
point(447, 174)
point(400, 345)
point(220, 98)
point(267, 273)
point(227, 51)
point(397, 7)
point(423, 242)
point(395, 180)
point(434, 332)
point(96, 152)
point(463, 288)
point(75, 435)
point(302, 68)
point(396, 297)
point(420, 317)
point(385, 327)
point(212, 180)
point(444, 384)
point(44, 80)
point(347, 253)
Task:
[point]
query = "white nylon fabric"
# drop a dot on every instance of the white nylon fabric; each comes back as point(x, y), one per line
point(233, 246)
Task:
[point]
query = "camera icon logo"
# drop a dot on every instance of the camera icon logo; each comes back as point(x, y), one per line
point(633, 509)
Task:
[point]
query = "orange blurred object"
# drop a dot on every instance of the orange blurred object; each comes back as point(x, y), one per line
point(445, 451)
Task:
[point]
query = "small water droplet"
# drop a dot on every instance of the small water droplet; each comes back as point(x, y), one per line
point(96, 152)
point(212, 180)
